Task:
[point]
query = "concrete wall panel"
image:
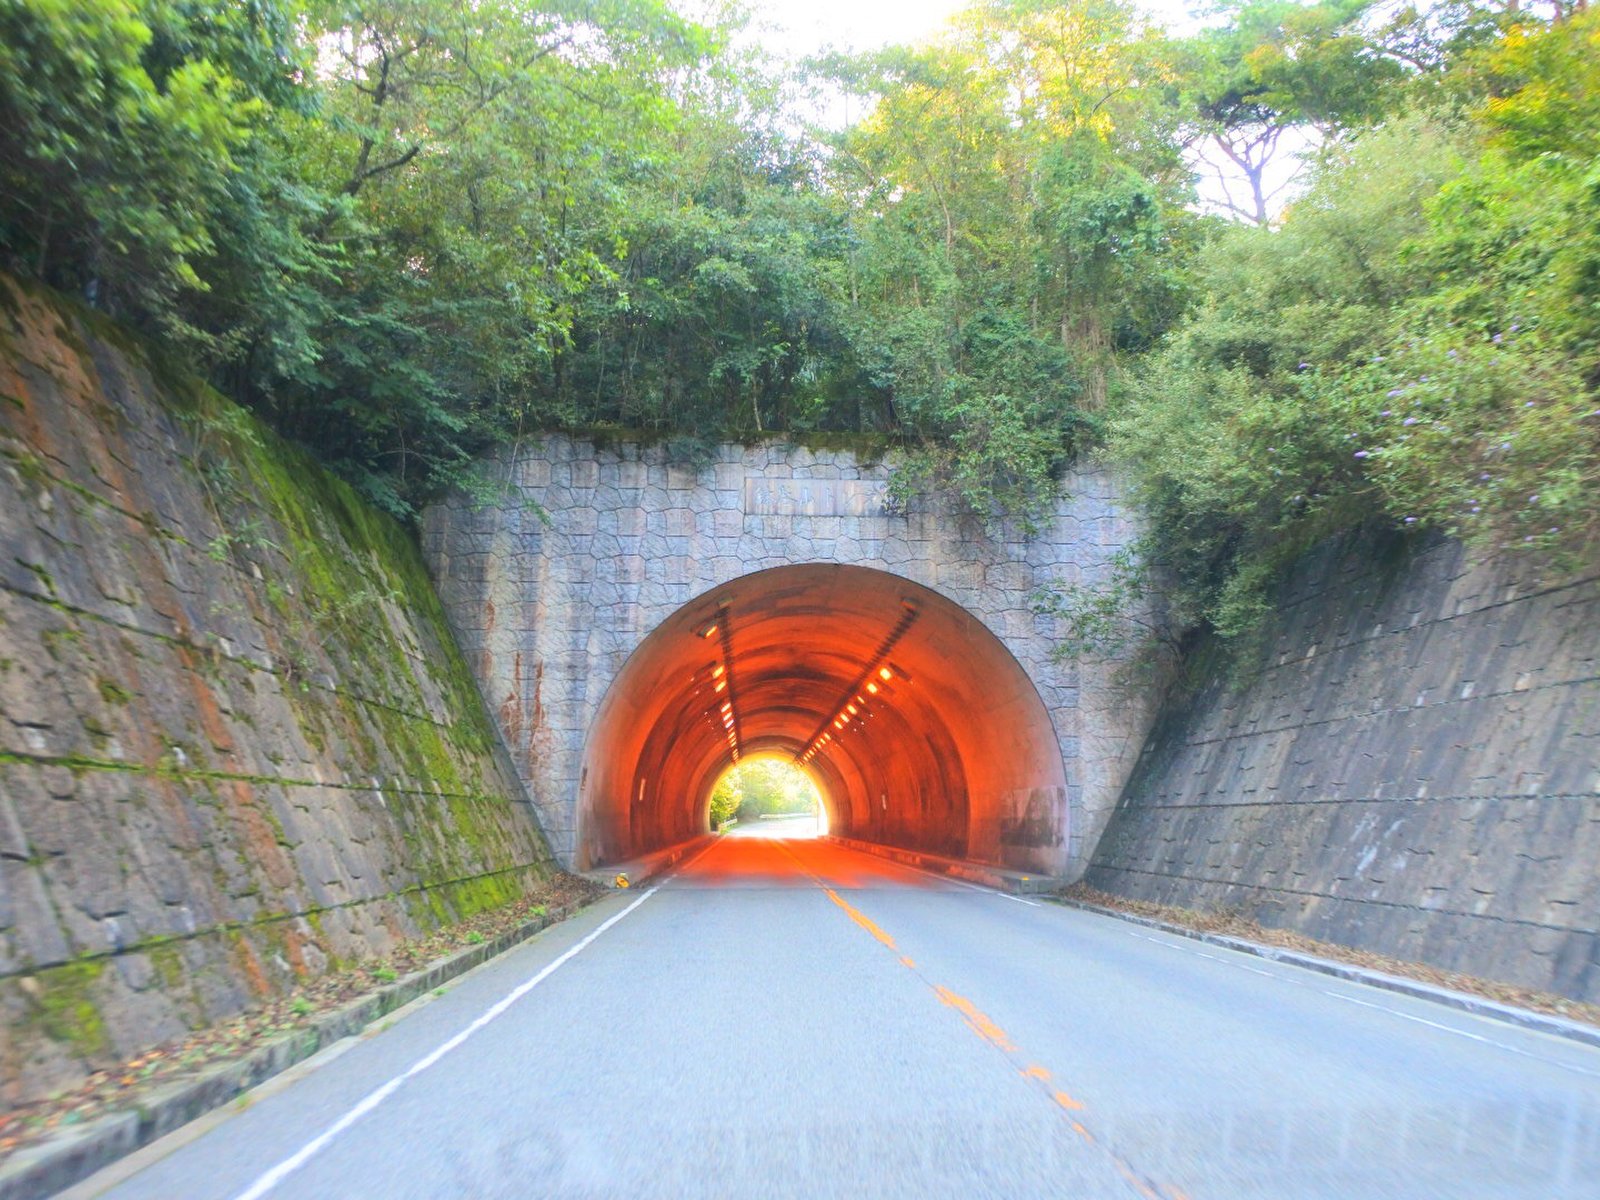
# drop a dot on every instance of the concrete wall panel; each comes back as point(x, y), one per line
point(1410, 765)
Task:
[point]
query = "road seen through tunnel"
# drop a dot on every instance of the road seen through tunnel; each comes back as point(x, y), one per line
point(788, 1017)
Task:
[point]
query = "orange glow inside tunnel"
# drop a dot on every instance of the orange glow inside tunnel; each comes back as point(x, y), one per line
point(918, 727)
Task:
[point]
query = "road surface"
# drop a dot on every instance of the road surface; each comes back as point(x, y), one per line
point(791, 1018)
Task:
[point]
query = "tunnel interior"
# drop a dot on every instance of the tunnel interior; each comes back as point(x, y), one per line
point(919, 727)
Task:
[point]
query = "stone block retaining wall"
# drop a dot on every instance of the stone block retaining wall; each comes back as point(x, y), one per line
point(1410, 765)
point(237, 744)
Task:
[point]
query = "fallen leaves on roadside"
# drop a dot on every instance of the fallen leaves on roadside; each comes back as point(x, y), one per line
point(1232, 924)
point(106, 1090)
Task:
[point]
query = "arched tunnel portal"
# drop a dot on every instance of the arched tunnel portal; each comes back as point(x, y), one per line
point(919, 727)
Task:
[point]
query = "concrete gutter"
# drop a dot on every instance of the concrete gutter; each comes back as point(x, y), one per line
point(643, 869)
point(75, 1153)
point(1524, 1018)
point(1001, 879)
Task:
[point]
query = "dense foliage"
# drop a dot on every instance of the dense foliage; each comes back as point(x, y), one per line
point(763, 787)
point(1417, 345)
point(407, 232)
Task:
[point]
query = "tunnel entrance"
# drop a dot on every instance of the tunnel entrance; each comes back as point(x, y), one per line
point(915, 722)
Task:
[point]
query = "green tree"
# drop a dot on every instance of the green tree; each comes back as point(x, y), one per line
point(763, 786)
point(1275, 69)
point(477, 150)
point(1019, 210)
point(128, 131)
point(1241, 432)
point(770, 786)
point(1416, 348)
point(718, 317)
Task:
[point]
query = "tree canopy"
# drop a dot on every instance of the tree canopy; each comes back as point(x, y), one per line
point(405, 233)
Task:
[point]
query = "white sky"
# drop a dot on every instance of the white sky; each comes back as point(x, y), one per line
point(807, 25)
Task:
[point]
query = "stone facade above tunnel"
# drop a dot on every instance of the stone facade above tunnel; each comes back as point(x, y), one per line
point(592, 547)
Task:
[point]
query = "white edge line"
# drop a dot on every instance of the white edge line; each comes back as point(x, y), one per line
point(378, 1095)
point(1477, 1037)
point(1173, 942)
point(978, 887)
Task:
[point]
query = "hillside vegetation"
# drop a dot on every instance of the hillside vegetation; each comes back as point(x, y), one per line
point(404, 233)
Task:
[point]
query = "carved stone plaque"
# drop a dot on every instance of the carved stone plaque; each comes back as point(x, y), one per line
point(815, 497)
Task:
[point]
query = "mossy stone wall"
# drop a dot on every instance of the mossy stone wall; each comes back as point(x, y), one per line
point(237, 742)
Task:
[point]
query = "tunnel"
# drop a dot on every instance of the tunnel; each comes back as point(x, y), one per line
point(919, 727)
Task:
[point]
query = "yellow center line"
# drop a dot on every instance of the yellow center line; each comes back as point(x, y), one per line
point(861, 918)
point(986, 1028)
point(977, 1020)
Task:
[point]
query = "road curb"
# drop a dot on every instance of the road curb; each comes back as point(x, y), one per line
point(640, 871)
point(1525, 1018)
point(71, 1156)
point(1017, 883)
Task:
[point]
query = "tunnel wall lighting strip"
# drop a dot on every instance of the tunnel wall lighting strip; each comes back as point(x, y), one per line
point(725, 711)
point(872, 682)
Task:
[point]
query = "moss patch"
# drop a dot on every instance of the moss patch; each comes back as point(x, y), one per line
point(112, 692)
point(66, 1009)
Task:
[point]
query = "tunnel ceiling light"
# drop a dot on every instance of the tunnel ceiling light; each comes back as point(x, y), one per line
point(724, 690)
point(873, 681)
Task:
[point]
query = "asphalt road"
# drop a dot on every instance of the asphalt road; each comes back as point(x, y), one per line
point(790, 1018)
